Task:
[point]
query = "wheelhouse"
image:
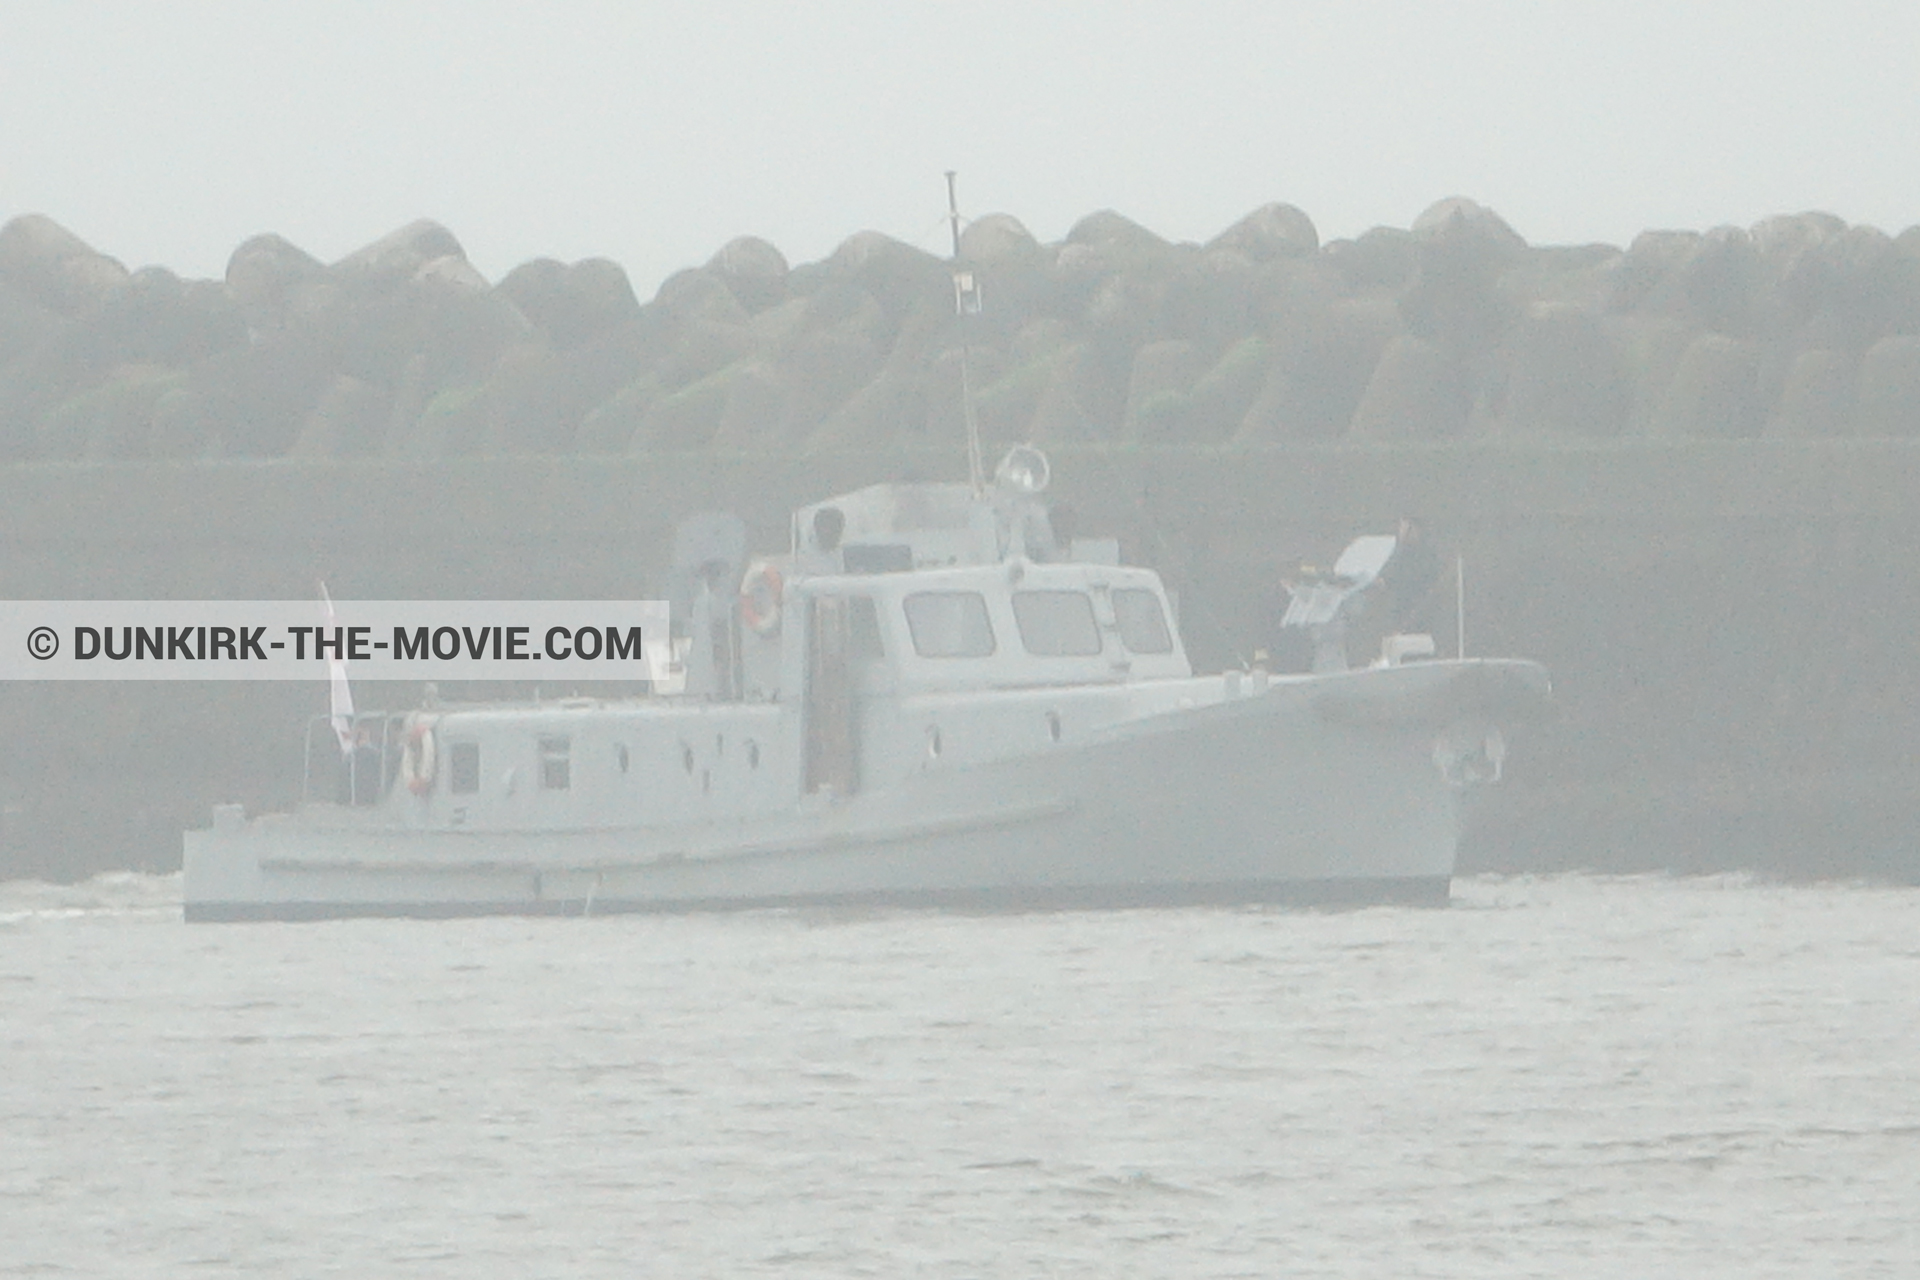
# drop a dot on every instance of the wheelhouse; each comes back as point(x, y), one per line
point(1004, 626)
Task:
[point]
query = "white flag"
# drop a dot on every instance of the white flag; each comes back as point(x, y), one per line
point(339, 696)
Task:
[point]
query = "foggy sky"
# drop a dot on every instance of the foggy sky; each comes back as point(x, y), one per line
point(651, 132)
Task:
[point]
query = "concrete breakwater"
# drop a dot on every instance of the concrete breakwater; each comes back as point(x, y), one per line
point(1800, 327)
point(1729, 622)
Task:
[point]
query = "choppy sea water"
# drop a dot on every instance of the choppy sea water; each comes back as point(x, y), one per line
point(1561, 1077)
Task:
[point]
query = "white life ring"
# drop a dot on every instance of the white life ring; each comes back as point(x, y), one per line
point(419, 757)
point(760, 599)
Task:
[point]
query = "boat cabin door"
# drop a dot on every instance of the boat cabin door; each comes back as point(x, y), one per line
point(843, 642)
point(832, 727)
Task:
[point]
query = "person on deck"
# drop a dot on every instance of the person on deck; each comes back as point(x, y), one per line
point(1408, 578)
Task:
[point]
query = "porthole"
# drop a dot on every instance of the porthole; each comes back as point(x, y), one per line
point(753, 754)
point(1053, 725)
point(686, 758)
point(933, 742)
point(620, 753)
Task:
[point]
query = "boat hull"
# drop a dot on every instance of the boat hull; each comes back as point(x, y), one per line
point(1423, 892)
point(1316, 792)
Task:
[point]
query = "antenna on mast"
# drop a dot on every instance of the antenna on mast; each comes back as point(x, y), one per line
point(966, 302)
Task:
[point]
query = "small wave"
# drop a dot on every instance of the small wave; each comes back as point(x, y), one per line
point(1137, 1182)
point(109, 893)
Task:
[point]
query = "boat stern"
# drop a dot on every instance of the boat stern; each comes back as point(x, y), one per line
point(221, 866)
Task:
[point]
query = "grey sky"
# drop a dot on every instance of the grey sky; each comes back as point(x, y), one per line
point(653, 132)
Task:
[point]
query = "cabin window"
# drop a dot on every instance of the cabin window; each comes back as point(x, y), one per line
point(949, 624)
point(556, 768)
point(463, 768)
point(1056, 624)
point(1143, 626)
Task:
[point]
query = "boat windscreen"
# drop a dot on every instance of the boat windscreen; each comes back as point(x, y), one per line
point(1143, 624)
point(1056, 624)
point(949, 624)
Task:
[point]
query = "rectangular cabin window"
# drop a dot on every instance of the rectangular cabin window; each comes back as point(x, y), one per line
point(556, 766)
point(463, 768)
point(1056, 624)
point(1143, 625)
point(950, 624)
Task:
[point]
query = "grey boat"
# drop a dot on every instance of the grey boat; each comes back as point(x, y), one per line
point(927, 700)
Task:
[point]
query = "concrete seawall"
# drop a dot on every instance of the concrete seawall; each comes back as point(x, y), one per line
point(1729, 622)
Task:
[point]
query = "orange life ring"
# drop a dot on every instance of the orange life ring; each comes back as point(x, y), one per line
point(760, 599)
point(419, 758)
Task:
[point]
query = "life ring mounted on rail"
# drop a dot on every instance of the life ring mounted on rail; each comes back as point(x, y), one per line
point(760, 594)
point(419, 757)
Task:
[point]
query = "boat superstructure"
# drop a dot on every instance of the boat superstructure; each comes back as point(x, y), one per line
point(928, 698)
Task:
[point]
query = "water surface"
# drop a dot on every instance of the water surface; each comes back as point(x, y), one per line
point(1559, 1077)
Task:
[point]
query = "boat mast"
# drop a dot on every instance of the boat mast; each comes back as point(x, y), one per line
point(1460, 606)
point(966, 302)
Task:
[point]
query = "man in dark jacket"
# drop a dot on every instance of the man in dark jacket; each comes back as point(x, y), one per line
point(1408, 578)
